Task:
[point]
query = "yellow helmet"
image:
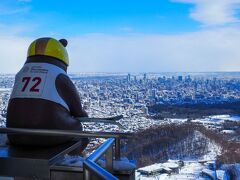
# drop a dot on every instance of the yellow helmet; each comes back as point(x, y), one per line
point(49, 47)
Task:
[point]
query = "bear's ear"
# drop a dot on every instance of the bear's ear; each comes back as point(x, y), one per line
point(63, 42)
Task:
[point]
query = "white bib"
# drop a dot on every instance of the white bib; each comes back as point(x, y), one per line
point(37, 80)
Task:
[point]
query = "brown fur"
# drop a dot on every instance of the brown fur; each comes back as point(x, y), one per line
point(44, 114)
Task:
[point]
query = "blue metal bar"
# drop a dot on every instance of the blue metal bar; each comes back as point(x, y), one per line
point(90, 166)
point(97, 170)
point(109, 159)
point(101, 150)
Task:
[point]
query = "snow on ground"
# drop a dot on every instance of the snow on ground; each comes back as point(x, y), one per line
point(225, 117)
point(213, 151)
point(217, 119)
point(228, 131)
point(175, 120)
point(192, 168)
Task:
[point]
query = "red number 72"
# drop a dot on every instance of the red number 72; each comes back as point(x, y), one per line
point(34, 88)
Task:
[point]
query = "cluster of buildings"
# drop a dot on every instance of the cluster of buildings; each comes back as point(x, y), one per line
point(175, 169)
point(130, 95)
point(6, 83)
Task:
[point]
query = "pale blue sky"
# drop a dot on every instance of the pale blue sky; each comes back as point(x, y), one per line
point(126, 35)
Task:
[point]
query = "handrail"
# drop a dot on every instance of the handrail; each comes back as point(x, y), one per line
point(71, 133)
point(91, 167)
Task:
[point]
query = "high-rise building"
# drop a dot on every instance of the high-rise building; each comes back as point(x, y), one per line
point(153, 93)
point(128, 77)
point(180, 78)
point(135, 78)
point(188, 78)
point(144, 76)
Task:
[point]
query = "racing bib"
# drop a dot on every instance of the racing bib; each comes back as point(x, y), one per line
point(37, 80)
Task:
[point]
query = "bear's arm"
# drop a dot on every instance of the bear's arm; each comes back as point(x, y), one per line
point(70, 95)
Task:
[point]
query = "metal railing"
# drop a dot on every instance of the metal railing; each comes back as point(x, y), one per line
point(69, 133)
point(90, 167)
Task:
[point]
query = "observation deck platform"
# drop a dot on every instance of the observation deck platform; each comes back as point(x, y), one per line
point(24, 163)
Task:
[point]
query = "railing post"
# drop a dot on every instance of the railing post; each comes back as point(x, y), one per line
point(86, 173)
point(117, 148)
point(109, 159)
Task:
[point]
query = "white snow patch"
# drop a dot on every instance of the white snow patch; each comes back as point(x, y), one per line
point(213, 151)
point(222, 175)
point(228, 131)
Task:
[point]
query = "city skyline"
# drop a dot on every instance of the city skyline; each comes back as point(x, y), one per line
point(119, 36)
